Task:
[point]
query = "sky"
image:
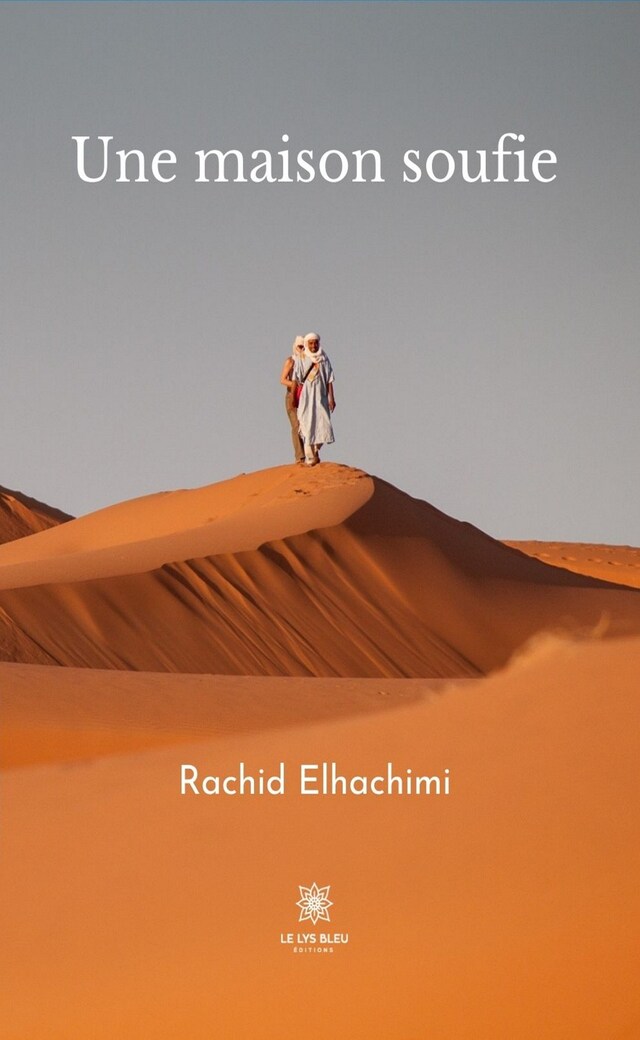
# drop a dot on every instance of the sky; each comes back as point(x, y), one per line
point(484, 336)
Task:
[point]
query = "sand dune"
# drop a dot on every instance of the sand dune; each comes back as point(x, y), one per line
point(287, 572)
point(75, 714)
point(615, 563)
point(226, 517)
point(508, 911)
point(21, 516)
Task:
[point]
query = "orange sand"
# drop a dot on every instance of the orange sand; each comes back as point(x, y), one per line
point(287, 572)
point(509, 911)
point(617, 563)
point(21, 516)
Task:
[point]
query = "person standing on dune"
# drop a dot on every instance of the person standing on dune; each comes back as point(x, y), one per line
point(314, 374)
point(292, 397)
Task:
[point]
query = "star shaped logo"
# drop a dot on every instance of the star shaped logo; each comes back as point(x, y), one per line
point(314, 904)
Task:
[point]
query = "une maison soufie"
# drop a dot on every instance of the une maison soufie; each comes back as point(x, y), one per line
point(97, 160)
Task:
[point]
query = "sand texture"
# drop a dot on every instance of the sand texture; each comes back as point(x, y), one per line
point(617, 563)
point(21, 516)
point(294, 616)
point(322, 572)
point(509, 911)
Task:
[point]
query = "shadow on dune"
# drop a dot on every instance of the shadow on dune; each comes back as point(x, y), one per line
point(467, 547)
point(397, 589)
point(21, 515)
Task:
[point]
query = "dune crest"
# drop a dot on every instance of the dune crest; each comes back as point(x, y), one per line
point(229, 516)
point(288, 572)
point(615, 563)
point(21, 516)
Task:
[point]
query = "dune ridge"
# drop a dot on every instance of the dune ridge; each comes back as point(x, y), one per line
point(21, 516)
point(145, 533)
point(619, 564)
point(288, 572)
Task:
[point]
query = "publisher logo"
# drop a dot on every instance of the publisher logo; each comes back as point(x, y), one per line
point(314, 903)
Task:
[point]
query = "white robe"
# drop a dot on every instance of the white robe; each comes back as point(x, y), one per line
point(314, 415)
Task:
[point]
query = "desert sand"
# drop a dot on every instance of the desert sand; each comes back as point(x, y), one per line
point(289, 571)
point(307, 616)
point(21, 515)
point(616, 563)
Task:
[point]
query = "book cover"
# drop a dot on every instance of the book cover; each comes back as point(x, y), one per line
point(319, 608)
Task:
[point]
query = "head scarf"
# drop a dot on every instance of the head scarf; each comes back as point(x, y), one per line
point(298, 342)
point(318, 356)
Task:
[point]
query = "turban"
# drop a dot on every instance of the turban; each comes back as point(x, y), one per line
point(308, 353)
